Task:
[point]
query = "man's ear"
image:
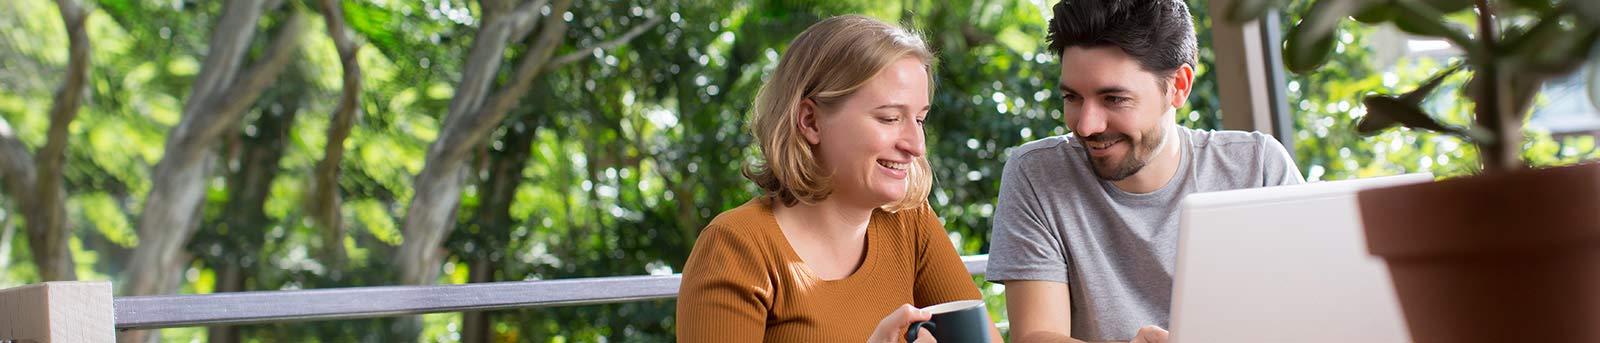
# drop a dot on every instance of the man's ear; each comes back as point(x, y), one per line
point(806, 121)
point(1182, 83)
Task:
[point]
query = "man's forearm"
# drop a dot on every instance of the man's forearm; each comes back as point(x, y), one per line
point(1045, 337)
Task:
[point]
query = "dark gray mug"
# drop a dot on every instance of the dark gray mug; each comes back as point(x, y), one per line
point(961, 321)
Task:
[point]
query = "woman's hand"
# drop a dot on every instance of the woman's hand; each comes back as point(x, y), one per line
point(893, 327)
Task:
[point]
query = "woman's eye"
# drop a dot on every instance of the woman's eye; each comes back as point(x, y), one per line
point(889, 120)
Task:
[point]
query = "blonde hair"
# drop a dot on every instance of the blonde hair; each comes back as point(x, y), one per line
point(827, 64)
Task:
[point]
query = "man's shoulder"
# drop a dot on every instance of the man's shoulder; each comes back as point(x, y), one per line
point(1226, 139)
point(1233, 144)
point(1048, 150)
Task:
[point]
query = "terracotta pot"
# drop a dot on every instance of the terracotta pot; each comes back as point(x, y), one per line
point(1513, 257)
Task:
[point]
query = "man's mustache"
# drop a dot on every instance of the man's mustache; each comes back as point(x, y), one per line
point(1103, 137)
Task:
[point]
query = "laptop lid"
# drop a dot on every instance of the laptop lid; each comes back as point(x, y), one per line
point(1283, 264)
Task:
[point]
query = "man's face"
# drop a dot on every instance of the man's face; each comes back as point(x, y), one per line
point(1118, 110)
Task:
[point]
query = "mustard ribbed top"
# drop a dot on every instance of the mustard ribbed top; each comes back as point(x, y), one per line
point(744, 283)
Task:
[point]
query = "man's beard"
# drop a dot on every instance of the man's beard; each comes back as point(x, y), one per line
point(1143, 150)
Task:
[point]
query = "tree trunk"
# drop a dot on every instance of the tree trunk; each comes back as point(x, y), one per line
point(324, 202)
point(468, 123)
point(48, 235)
point(7, 231)
point(245, 215)
point(471, 119)
point(36, 180)
point(494, 214)
point(171, 213)
point(214, 106)
point(475, 326)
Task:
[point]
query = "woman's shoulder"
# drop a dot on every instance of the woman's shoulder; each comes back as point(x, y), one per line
point(742, 227)
point(733, 245)
point(753, 214)
point(911, 223)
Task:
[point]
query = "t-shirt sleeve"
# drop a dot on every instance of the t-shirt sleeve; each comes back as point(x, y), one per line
point(1022, 245)
point(1276, 166)
point(941, 276)
point(725, 292)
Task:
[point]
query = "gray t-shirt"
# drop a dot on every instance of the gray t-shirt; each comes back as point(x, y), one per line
point(1057, 221)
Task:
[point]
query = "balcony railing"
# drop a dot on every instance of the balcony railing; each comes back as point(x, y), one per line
point(70, 311)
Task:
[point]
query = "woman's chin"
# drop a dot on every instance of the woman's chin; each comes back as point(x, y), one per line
point(887, 197)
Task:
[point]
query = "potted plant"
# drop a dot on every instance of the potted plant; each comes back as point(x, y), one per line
point(1513, 254)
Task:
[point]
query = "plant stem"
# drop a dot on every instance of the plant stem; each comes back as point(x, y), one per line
point(1503, 153)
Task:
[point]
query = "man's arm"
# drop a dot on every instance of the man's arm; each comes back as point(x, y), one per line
point(1041, 312)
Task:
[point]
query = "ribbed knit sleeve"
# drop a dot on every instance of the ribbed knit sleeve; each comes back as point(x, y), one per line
point(725, 292)
point(941, 277)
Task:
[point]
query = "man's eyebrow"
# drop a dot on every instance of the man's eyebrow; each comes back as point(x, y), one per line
point(1102, 90)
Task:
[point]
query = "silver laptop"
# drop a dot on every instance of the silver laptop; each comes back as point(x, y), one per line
point(1283, 264)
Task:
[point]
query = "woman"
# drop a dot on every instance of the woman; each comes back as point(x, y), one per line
point(843, 246)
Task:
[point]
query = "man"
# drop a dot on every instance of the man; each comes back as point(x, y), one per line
point(1086, 231)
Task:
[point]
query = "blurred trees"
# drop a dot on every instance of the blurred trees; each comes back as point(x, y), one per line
point(454, 141)
point(37, 178)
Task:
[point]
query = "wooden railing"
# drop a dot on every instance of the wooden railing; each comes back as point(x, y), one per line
point(86, 311)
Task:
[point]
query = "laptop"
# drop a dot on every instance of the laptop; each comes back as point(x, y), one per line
point(1283, 264)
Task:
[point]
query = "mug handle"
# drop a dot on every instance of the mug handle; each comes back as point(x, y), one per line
point(911, 331)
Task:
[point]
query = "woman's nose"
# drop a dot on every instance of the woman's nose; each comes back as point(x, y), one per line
point(912, 140)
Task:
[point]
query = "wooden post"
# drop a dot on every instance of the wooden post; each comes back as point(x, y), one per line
point(1250, 79)
point(54, 312)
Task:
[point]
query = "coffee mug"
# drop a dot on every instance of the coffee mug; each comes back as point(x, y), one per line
point(957, 321)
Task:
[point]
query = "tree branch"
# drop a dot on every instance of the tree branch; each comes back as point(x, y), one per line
point(477, 75)
point(169, 216)
point(16, 164)
point(532, 64)
point(249, 87)
point(587, 52)
point(325, 189)
point(229, 43)
point(437, 193)
point(47, 234)
point(524, 18)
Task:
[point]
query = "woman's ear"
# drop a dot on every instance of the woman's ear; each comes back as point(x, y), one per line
point(807, 121)
point(1182, 83)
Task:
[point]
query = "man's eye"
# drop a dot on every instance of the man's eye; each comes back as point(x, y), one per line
point(1070, 98)
point(1116, 100)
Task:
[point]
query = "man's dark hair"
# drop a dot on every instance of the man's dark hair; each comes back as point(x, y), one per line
point(1158, 33)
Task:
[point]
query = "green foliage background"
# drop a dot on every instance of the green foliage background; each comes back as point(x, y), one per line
point(630, 152)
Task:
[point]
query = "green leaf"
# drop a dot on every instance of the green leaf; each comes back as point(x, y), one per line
point(1536, 5)
point(1392, 108)
point(1312, 40)
point(1588, 10)
point(1415, 19)
point(1562, 54)
point(1303, 53)
point(1524, 87)
point(1372, 124)
point(1423, 19)
point(1377, 12)
point(1416, 96)
point(1594, 82)
point(1448, 6)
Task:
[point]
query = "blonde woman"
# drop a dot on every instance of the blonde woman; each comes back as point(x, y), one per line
point(843, 246)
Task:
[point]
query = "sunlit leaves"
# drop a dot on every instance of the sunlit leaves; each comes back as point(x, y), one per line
point(106, 217)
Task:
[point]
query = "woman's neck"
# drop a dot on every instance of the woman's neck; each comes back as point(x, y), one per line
point(828, 218)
